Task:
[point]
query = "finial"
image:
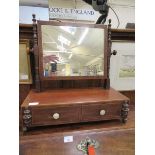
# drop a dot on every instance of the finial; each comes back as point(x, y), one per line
point(109, 22)
point(34, 18)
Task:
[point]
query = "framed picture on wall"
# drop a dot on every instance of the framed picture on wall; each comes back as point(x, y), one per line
point(127, 66)
point(122, 70)
point(25, 76)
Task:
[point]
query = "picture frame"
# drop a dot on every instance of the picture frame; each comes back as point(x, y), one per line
point(122, 70)
point(25, 76)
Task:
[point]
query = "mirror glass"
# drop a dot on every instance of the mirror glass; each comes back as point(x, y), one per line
point(72, 51)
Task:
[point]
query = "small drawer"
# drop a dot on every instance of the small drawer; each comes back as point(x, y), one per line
point(55, 115)
point(105, 111)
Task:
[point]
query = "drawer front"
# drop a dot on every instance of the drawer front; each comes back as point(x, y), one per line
point(55, 115)
point(104, 111)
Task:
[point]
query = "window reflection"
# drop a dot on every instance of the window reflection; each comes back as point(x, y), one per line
point(72, 51)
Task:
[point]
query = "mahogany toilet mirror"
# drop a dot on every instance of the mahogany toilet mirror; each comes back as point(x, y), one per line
point(72, 55)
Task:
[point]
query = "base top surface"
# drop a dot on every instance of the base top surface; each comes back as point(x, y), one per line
point(73, 96)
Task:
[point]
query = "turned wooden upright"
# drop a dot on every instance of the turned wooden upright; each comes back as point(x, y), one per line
point(36, 54)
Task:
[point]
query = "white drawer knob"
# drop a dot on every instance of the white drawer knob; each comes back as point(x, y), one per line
point(102, 112)
point(56, 116)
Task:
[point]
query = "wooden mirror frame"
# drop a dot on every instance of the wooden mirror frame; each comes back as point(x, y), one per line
point(39, 79)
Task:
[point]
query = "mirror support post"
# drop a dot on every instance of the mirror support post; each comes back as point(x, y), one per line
point(36, 54)
point(107, 80)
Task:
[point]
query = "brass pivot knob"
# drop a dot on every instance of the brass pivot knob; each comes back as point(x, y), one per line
point(56, 116)
point(114, 52)
point(102, 112)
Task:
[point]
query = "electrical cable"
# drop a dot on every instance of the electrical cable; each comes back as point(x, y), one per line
point(101, 19)
point(116, 16)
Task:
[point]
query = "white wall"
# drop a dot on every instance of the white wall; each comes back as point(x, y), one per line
point(25, 14)
point(125, 13)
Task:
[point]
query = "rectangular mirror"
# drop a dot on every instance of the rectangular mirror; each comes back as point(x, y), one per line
point(72, 50)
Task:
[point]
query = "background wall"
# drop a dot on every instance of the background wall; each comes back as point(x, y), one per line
point(25, 14)
point(124, 9)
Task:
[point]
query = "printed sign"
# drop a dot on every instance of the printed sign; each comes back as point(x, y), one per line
point(70, 13)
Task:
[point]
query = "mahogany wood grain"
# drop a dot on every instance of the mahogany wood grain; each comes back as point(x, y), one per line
point(71, 84)
point(114, 137)
point(73, 96)
point(24, 89)
point(130, 94)
point(44, 116)
point(116, 34)
point(116, 142)
point(92, 112)
point(81, 127)
point(25, 31)
point(123, 34)
point(73, 105)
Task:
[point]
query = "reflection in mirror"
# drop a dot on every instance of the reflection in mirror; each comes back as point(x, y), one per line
point(72, 51)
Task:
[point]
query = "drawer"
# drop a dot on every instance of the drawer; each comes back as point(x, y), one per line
point(55, 115)
point(105, 111)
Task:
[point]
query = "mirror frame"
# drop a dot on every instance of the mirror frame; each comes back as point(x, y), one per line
point(55, 23)
point(26, 42)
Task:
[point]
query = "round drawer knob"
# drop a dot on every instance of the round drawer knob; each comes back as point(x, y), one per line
point(102, 112)
point(56, 116)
